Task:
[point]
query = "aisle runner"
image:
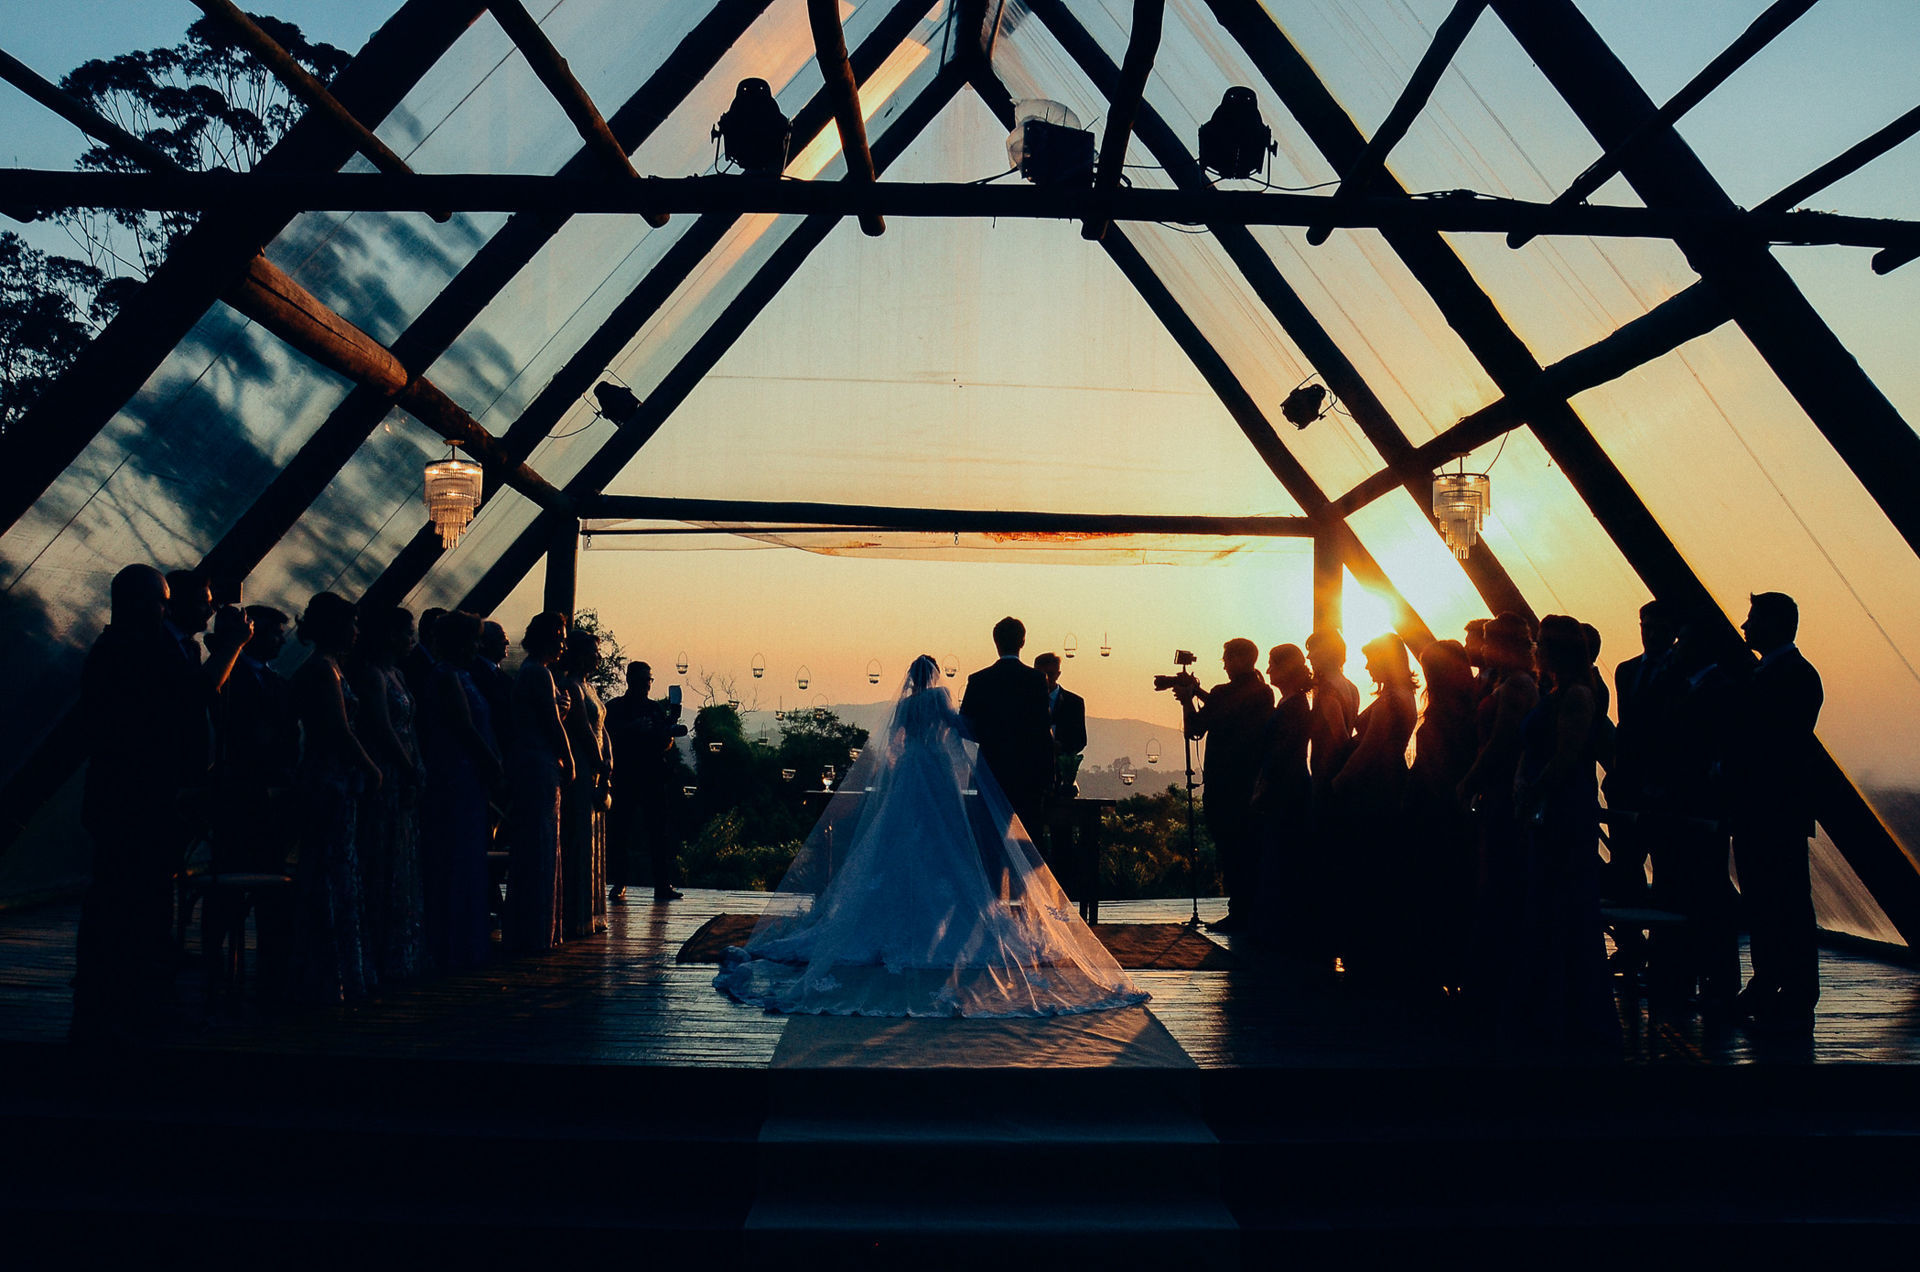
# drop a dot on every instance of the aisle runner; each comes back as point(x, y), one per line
point(1140, 947)
point(1129, 1038)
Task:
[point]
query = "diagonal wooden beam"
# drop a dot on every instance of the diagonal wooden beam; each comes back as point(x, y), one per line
point(302, 84)
point(1847, 162)
point(1355, 179)
point(1855, 829)
point(1239, 404)
point(1142, 45)
point(618, 451)
point(84, 117)
point(1321, 351)
point(836, 73)
point(559, 80)
point(1777, 18)
point(211, 257)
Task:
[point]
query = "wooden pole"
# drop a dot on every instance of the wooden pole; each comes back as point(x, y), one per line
point(302, 84)
point(83, 116)
point(563, 568)
point(1412, 100)
point(830, 47)
point(1142, 45)
point(1776, 19)
point(1329, 582)
point(558, 77)
point(1848, 161)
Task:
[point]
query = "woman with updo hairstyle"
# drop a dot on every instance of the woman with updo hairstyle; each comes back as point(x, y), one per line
point(388, 840)
point(1568, 998)
point(334, 769)
point(1368, 792)
point(583, 821)
point(1446, 862)
point(537, 772)
point(457, 741)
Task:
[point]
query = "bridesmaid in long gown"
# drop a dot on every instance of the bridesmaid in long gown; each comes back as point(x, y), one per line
point(334, 768)
point(1368, 792)
point(583, 859)
point(541, 766)
point(389, 830)
point(457, 740)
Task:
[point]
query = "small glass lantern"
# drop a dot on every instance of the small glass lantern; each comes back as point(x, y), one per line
point(950, 668)
point(1072, 645)
point(828, 772)
point(820, 711)
point(1461, 501)
point(453, 495)
point(680, 662)
point(853, 753)
point(713, 748)
point(733, 704)
point(873, 671)
point(1106, 650)
point(1126, 777)
point(689, 791)
point(786, 775)
point(803, 677)
point(1153, 750)
point(759, 666)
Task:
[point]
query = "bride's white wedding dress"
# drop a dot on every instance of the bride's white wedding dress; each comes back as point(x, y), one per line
point(918, 895)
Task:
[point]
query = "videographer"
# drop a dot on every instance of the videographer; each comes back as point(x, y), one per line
point(1232, 715)
point(642, 819)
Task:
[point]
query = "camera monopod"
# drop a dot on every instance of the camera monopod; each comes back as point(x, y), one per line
point(1193, 836)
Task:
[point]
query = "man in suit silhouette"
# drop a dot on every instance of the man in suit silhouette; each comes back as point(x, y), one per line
point(1769, 764)
point(1067, 716)
point(1231, 716)
point(1006, 706)
point(1642, 692)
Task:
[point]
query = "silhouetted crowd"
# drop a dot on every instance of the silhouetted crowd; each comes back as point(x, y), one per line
point(1474, 870)
point(355, 809)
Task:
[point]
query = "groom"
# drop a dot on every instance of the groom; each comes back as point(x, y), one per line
point(1006, 705)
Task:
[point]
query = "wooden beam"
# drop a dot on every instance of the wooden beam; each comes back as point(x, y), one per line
point(559, 594)
point(937, 520)
point(1777, 18)
point(507, 192)
point(1847, 162)
point(480, 281)
point(1412, 100)
point(1329, 582)
point(633, 312)
point(83, 116)
point(1658, 332)
point(1322, 353)
point(830, 48)
point(210, 258)
point(558, 78)
point(1232, 395)
point(1142, 46)
point(302, 84)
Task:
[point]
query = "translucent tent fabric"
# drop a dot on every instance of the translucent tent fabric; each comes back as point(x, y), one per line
point(965, 364)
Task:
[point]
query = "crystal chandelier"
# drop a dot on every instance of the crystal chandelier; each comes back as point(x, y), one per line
point(1461, 501)
point(453, 493)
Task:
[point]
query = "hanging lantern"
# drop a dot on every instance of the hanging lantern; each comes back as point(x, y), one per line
point(1072, 645)
point(1461, 501)
point(453, 493)
point(1126, 777)
point(680, 662)
point(802, 677)
point(786, 775)
point(714, 747)
point(820, 711)
point(828, 773)
point(950, 668)
point(873, 671)
point(733, 704)
point(1153, 750)
point(759, 666)
point(1106, 650)
point(853, 753)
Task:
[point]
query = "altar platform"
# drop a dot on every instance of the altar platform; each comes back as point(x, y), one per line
point(604, 1101)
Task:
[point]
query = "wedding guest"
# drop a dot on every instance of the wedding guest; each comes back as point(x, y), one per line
point(1230, 716)
point(641, 828)
point(583, 856)
point(1771, 759)
point(1290, 885)
point(462, 766)
point(334, 769)
point(1487, 792)
point(1636, 785)
point(257, 754)
point(138, 696)
point(538, 769)
point(418, 664)
point(1445, 864)
point(1476, 647)
point(1374, 890)
point(1569, 1002)
point(189, 609)
point(1336, 706)
point(388, 835)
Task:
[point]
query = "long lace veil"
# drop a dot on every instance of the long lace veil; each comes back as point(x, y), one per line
point(919, 893)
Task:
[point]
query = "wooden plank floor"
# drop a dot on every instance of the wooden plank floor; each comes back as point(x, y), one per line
point(621, 999)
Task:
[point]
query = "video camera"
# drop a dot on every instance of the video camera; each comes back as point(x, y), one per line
point(1182, 681)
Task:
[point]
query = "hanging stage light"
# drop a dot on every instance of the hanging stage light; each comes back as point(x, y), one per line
point(1236, 141)
point(753, 131)
point(453, 493)
point(616, 401)
point(1048, 145)
point(1307, 403)
point(1461, 502)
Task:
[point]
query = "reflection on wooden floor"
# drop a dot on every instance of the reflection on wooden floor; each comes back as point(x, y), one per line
point(621, 999)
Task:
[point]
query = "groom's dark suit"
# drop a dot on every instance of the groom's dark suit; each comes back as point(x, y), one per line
point(1006, 706)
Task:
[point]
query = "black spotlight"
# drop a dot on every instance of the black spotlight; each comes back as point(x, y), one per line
point(1056, 155)
point(753, 130)
point(1305, 405)
point(617, 401)
point(1236, 141)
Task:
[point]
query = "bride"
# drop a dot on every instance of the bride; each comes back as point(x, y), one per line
point(918, 894)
